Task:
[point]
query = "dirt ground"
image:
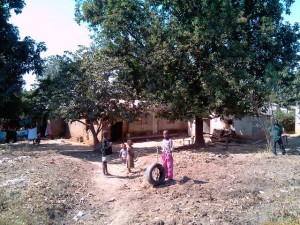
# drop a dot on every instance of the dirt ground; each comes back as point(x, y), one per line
point(59, 182)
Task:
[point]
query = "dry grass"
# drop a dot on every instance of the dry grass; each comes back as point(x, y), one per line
point(56, 184)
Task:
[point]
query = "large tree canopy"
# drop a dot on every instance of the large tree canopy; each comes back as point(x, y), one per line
point(17, 57)
point(195, 56)
point(82, 86)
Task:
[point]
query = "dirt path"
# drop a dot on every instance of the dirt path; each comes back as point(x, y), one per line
point(211, 186)
point(61, 182)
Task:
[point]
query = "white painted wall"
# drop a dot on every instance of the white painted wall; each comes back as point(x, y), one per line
point(297, 119)
point(192, 127)
point(246, 128)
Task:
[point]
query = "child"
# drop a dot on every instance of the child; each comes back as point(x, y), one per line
point(38, 139)
point(167, 158)
point(106, 149)
point(130, 156)
point(123, 153)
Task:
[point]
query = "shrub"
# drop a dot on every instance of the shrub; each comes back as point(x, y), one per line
point(287, 120)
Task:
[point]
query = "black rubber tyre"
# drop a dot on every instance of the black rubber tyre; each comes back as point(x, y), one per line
point(155, 174)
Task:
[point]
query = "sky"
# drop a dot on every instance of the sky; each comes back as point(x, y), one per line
point(295, 13)
point(52, 22)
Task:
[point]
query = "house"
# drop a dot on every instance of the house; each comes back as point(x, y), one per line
point(250, 128)
point(146, 128)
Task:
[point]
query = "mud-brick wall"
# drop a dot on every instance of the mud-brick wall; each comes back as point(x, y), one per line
point(141, 127)
point(77, 130)
point(175, 126)
point(153, 126)
point(57, 128)
point(79, 133)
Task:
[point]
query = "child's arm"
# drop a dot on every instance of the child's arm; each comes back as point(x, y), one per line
point(171, 145)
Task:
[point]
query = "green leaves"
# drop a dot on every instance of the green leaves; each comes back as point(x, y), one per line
point(17, 57)
point(84, 85)
point(197, 56)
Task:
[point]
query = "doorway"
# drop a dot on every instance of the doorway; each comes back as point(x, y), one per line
point(116, 131)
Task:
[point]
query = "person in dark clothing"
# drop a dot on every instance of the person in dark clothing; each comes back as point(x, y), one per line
point(38, 139)
point(276, 132)
point(106, 149)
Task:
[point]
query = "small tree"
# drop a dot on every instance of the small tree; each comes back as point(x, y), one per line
point(83, 85)
point(286, 119)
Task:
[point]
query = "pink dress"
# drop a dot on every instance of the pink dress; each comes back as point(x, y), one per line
point(167, 158)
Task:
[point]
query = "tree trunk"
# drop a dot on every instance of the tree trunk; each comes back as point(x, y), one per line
point(199, 139)
point(97, 146)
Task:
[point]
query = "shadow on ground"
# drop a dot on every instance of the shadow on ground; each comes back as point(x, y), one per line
point(146, 148)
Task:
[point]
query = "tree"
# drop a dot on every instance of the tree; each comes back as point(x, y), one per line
point(33, 110)
point(83, 85)
point(17, 57)
point(197, 57)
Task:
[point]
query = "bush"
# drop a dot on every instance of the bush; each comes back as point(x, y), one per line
point(287, 120)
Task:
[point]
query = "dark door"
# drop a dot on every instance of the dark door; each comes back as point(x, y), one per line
point(116, 131)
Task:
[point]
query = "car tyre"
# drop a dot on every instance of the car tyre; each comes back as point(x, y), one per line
point(155, 174)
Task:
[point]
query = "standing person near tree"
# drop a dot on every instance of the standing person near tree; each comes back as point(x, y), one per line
point(106, 152)
point(167, 158)
point(276, 132)
point(130, 156)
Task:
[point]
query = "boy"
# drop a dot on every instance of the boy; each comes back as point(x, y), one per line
point(106, 152)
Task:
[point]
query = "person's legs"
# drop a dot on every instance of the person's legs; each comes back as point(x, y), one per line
point(281, 146)
point(108, 158)
point(170, 166)
point(128, 163)
point(274, 147)
point(164, 162)
point(104, 167)
point(107, 173)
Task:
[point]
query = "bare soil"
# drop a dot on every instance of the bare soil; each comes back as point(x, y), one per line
point(60, 182)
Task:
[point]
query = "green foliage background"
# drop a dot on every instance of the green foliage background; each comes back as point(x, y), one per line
point(287, 120)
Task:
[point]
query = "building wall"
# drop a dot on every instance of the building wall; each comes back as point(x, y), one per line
point(246, 128)
point(192, 126)
point(152, 126)
point(56, 127)
point(297, 119)
point(148, 126)
point(78, 131)
point(173, 126)
point(141, 127)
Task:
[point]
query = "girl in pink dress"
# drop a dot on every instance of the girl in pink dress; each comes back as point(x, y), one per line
point(167, 158)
